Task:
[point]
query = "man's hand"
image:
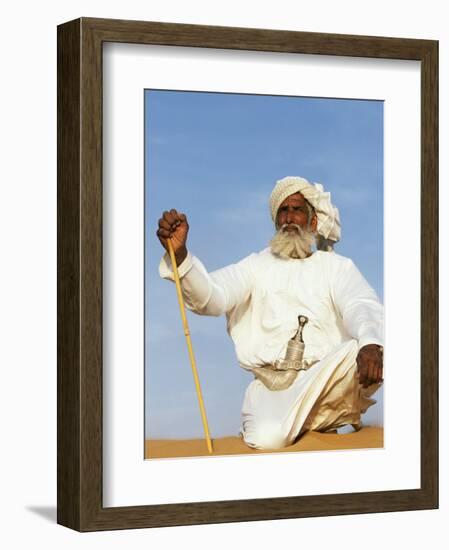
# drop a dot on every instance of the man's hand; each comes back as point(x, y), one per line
point(370, 365)
point(174, 225)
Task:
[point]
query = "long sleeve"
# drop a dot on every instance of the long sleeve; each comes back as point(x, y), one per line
point(213, 293)
point(358, 304)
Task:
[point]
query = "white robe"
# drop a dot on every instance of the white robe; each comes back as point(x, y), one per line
point(262, 296)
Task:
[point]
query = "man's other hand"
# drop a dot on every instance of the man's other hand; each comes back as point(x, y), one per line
point(370, 365)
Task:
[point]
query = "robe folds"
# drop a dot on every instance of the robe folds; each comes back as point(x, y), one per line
point(262, 296)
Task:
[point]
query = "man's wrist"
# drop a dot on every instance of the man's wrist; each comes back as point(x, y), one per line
point(180, 256)
point(379, 347)
point(370, 345)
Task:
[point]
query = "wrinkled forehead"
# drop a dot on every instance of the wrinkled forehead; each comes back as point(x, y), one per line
point(295, 198)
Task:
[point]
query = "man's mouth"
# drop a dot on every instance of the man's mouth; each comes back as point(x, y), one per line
point(290, 228)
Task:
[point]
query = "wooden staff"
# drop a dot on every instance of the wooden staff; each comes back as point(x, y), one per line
point(189, 344)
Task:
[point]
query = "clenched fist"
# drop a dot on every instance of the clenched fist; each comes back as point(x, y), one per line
point(173, 225)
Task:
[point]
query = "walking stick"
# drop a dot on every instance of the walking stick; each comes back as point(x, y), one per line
point(189, 344)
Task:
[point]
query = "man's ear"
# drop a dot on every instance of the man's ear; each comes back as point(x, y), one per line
point(314, 223)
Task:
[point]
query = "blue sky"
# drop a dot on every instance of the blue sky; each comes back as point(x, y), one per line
point(216, 157)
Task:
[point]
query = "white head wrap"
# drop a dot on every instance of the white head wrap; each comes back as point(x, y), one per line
point(328, 227)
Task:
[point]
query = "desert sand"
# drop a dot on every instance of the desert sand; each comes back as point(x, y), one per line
point(369, 437)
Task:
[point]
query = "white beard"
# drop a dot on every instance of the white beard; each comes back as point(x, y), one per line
point(293, 244)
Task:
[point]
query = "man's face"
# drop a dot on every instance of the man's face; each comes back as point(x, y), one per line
point(295, 233)
point(294, 211)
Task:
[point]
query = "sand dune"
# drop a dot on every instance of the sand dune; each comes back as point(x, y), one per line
point(367, 438)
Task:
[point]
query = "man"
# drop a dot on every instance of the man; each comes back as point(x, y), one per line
point(339, 355)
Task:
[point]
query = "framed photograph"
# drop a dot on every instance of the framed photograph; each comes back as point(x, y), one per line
point(169, 129)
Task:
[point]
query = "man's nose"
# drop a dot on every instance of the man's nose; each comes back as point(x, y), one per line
point(289, 216)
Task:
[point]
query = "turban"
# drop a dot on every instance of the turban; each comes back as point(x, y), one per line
point(328, 227)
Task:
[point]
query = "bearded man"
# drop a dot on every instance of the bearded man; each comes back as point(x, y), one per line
point(305, 322)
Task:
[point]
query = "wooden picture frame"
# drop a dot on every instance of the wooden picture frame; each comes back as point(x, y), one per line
point(80, 259)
